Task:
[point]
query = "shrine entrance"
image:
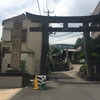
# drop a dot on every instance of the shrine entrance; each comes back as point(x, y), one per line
point(46, 30)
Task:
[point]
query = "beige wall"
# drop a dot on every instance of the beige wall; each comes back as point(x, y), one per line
point(34, 39)
point(32, 65)
point(8, 24)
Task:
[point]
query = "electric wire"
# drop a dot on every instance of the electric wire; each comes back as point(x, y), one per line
point(43, 6)
point(53, 6)
point(60, 35)
point(66, 38)
point(39, 7)
point(47, 5)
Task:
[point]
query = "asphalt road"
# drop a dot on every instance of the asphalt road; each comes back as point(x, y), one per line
point(67, 87)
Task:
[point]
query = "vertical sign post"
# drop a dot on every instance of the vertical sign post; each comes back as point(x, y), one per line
point(16, 43)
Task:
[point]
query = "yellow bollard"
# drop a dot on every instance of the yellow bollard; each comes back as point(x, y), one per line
point(36, 84)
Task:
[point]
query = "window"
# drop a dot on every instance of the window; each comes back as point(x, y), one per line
point(24, 34)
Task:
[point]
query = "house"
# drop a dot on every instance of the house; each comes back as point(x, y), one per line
point(72, 54)
point(96, 11)
point(30, 47)
point(61, 46)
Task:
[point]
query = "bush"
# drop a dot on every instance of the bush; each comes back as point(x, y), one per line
point(47, 68)
point(81, 55)
point(83, 68)
point(96, 58)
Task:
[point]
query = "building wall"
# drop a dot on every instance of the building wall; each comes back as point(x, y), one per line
point(32, 46)
point(32, 65)
point(96, 11)
point(34, 39)
point(95, 35)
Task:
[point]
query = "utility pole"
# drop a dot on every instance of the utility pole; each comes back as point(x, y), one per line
point(48, 12)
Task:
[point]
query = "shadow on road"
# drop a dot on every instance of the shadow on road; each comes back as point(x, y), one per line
point(85, 83)
point(59, 75)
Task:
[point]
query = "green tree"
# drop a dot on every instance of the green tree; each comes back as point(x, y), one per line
point(95, 48)
point(81, 55)
point(55, 50)
point(80, 41)
point(95, 45)
point(58, 55)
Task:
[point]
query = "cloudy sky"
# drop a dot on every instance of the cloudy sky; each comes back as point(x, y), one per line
point(10, 8)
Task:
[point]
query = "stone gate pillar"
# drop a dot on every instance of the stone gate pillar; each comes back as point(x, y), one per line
point(66, 54)
point(16, 43)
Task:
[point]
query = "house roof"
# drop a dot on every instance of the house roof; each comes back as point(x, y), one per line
point(72, 50)
point(10, 19)
point(60, 19)
point(38, 18)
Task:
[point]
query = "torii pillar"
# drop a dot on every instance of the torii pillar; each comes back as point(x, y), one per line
point(88, 54)
point(45, 47)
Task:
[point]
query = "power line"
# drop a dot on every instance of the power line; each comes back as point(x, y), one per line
point(61, 35)
point(48, 5)
point(66, 38)
point(38, 7)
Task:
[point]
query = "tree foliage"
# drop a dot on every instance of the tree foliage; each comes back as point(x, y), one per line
point(83, 68)
point(58, 55)
point(95, 45)
point(55, 50)
point(95, 48)
point(81, 55)
point(80, 41)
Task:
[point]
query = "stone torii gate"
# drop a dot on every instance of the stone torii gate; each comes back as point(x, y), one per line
point(86, 29)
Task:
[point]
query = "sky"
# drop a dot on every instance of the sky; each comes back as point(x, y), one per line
point(10, 8)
